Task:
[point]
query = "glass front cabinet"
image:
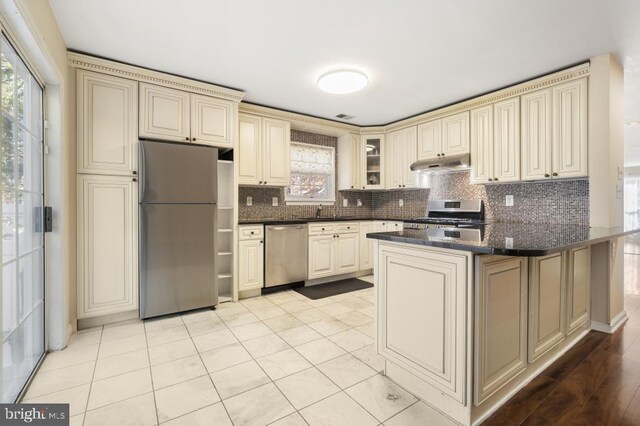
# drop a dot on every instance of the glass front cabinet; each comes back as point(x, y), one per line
point(373, 161)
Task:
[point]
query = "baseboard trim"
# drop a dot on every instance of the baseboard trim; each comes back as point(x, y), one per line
point(84, 323)
point(616, 323)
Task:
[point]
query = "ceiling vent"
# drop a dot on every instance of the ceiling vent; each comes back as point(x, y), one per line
point(345, 117)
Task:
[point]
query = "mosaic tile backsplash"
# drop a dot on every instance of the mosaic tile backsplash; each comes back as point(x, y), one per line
point(560, 202)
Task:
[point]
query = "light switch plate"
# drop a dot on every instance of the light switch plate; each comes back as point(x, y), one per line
point(274, 201)
point(359, 202)
point(345, 202)
point(249, 201)
point(508, 200)
point(400, 202)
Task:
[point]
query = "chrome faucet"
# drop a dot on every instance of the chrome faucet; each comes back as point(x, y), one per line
point(319, 211)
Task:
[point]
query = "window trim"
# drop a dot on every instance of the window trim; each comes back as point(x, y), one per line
point(310, 201)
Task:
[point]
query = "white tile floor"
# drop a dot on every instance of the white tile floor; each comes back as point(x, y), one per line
point(281, 359)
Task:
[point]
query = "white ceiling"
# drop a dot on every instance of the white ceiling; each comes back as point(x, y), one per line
point(419, 54)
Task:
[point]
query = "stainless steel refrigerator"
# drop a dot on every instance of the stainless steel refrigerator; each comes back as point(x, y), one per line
point(178, 227)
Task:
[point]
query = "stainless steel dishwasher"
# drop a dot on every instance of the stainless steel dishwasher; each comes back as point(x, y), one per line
point(286, 249)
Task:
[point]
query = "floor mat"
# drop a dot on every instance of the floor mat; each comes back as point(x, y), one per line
point(321, 291)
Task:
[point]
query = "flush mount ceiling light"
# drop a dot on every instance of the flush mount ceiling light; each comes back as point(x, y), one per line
point(343, 81)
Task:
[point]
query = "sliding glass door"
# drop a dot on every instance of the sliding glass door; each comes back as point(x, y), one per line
point(23, 333)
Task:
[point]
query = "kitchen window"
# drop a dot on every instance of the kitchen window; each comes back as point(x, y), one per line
point(312, 178)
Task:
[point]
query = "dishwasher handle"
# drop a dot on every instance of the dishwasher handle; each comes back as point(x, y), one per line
point(284, 228)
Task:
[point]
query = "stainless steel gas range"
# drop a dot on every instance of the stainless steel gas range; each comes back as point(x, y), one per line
point(452, 220)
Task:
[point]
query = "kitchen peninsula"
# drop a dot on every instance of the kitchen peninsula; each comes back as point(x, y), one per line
point(465, 324)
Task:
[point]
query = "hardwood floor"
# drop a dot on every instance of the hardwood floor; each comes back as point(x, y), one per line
point(596, 383)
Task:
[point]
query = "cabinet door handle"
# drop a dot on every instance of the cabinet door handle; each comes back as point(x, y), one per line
point(194, 139)
point(555, 174)
point(438, 155)
point(251, 232)
point(495, 178)
point(187, 138)
point(260, 183)
point(323, 229)
point(134, 172)
point(134, 180)
point(490, 179)
point(337, 236)
point(546, 175)
point(265, 182)
point(351, 186)
point(260, 241)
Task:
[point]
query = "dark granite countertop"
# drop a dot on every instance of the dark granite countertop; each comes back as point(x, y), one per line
point(310, 220)
point(512, 239)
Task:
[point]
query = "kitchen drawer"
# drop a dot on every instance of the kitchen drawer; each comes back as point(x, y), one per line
point(322, 228)
point(347, 227)
point(254, 232)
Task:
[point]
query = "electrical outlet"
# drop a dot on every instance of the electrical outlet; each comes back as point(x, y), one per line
point(400, 202)
point(345, 202)
point(249, 201)
point(508, 242)
point(508, 200)
point(359, 202)
point(274, 201)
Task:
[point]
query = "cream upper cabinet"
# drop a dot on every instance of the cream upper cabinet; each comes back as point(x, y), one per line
point(554, 132)
point(107, 114)
point(570, 129)
point(275, 152)
point(107, 245)
point(546, 303)
point(500, 323)
point(212, 121)
point(250, 264)
point(350, 173)
point(263, 151)
point(429, 139)
point(373, 167)
point(455, 134)
point(420, 288)
point(249, 149)
point(495, 142)
point(536, 135)
point(506, 140)
point(482, 144)
point(174, 115)
point(401, 153)
point(442, 137)
point(366, 246)
point(578, 288)
point(164, 113)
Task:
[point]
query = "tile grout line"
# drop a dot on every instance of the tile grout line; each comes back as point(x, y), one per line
point(153, 390)
point(93, 373)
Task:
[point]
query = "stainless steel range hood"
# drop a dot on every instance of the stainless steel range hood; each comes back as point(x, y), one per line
point(453, 163)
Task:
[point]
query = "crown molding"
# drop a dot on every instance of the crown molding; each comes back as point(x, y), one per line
point(539, 83)
point(106, 66)
point(298, 121)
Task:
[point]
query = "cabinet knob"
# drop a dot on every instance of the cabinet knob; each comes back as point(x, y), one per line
point(404, 186)
point(194, 139)
point(261, 242)
point(555, 174)
point(351, 186)
point(260, 183)
point(187, 138)
point(438, 155)
point(323, 229)
point(399, 186)
point(363, 187)
point(442, 154)
point(495, 178)
point(546, 175)
point(134, 172)
point(134, 180)
point(337, 236)
point(265, 182)
point(251, 232)
point(490, 179)
point(348, 227)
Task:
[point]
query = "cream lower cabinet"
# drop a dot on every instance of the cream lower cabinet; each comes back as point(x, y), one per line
point(500, 323)
point(334, 249)
point(107, 281)
point(546, 303)
point(263, 151)
point(250, 257)
point(422, 313)
point(578, 288)
point(366, 246)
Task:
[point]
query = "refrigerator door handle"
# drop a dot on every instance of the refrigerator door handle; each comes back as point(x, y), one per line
point(143, 177)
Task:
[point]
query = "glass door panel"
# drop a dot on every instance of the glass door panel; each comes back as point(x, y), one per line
point(23, 333)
